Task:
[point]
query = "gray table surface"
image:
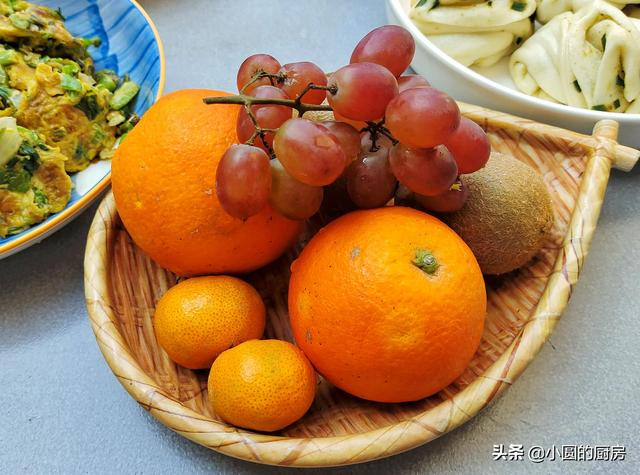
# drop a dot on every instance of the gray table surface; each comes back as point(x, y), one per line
point(62, 411)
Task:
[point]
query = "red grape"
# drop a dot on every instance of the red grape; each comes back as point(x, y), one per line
point(404, 197)
point(245, 130)
point(389, 46)
point(336, 197)
point(297, 76)
point(470, 146)
point(268, 116)
point(410, 81)
point(291, 198)
point(370, 181)
point(427, 171)
point(422, 117)
point(362, 91)
point(348, 137)
point(243, 181)
point(309, 152)
point(254, 64)
point(382, 147)
point(451, 200)
point(270, 92)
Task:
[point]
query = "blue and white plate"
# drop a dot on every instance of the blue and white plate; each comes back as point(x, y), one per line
point(130, 45)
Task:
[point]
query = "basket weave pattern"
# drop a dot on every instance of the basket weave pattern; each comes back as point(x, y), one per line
point(123, 285)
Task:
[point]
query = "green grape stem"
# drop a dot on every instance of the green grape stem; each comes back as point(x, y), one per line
point(249, 101)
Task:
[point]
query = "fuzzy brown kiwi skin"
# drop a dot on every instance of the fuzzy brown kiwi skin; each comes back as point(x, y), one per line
point(507, 217)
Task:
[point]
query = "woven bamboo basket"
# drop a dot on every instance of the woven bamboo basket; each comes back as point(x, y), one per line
point(122, 286)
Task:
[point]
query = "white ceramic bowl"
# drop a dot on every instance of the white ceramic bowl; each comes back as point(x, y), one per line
point(494, 89)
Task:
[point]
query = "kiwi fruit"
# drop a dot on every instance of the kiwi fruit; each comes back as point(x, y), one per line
point(507, 216)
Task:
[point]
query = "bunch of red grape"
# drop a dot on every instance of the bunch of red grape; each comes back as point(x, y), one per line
point(393, 135)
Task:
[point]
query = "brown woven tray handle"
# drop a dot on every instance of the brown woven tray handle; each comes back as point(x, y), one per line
point(624, 158)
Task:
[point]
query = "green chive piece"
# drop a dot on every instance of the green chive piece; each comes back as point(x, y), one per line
point(5, 93)
point(123, 95)
point(619, 81)
point(71, 69)
point(616, 104)
point(89, 105)
point(519, 6)
point(577, 86)
point(16, 180)
point(69, 83)
point(107, 79)
point(20, 21)
point(39, 198)
point(7, 56)
point(599, 107)
point(86, 42)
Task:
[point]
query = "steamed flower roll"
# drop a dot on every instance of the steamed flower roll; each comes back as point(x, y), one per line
point(475, 32)
point(588, 59)
point(548, 9)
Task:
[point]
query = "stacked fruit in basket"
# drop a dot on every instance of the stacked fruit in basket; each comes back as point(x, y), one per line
point(386, 302)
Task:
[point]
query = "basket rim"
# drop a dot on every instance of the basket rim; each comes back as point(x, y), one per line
point(365, 446)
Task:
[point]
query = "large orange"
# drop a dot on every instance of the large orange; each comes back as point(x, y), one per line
point(164, 177)
point(388, 304)
point(262, 385)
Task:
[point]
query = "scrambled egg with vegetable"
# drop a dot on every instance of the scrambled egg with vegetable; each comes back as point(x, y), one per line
point(33, 181)
point(57, 113)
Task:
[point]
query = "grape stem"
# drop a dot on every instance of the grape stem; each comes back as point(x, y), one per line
point(249, 101)
point(384, 131)
point(259, 131)
point(374, 128)
point(332, 89)
point(273, 79)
